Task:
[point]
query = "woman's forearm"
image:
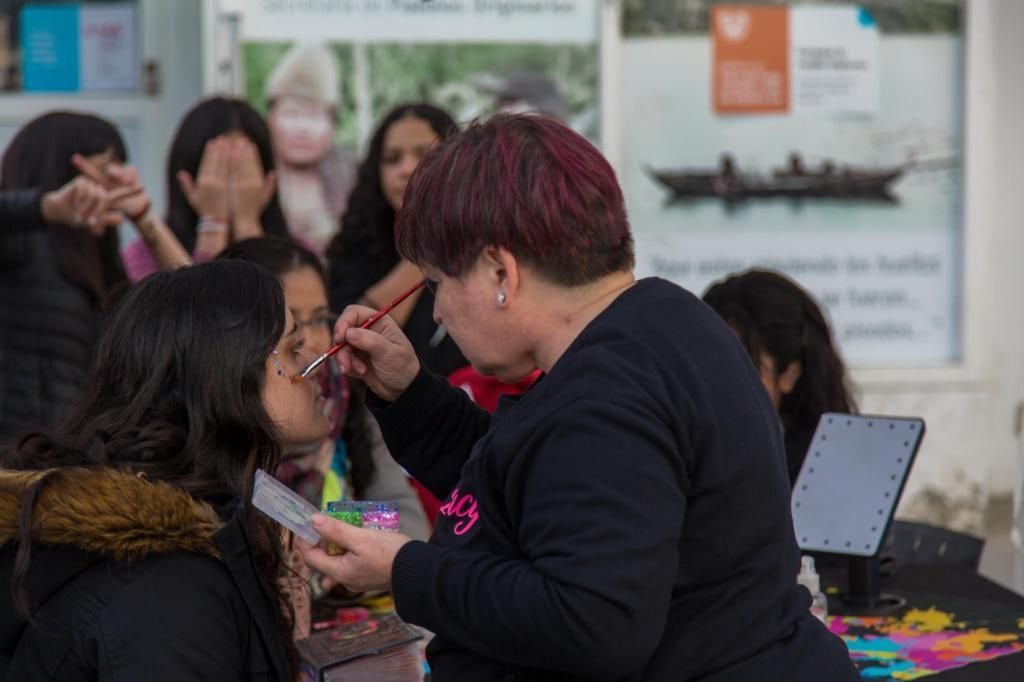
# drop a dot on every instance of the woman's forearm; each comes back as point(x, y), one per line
point(166, 249)
point(401, 277)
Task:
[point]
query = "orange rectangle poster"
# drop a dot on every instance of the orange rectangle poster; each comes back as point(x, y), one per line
point(750, 59)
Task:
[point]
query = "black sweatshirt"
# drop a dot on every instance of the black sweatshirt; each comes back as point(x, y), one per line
point(627, 519)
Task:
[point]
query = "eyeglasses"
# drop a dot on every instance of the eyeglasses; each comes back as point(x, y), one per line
point(318, 323)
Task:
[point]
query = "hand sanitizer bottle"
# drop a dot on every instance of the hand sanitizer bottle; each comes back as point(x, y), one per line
point(809, 578)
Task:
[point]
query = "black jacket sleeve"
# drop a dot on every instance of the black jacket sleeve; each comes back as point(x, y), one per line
point(571, 603)
point(21, 209)
point(431, 429)
point(20, 214)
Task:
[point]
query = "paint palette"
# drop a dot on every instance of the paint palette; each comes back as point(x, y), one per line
point(277, 501)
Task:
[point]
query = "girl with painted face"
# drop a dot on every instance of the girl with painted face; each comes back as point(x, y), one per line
point(130, 549)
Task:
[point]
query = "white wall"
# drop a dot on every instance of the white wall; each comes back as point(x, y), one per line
point(171, 35)
point(974, 411)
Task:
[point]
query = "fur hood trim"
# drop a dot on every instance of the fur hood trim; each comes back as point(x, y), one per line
point(109, 512)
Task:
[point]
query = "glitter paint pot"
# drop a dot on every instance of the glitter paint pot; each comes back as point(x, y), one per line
point(371, 514)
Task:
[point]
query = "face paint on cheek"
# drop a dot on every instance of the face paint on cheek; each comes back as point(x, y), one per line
point(277, 364)
point(281, 372)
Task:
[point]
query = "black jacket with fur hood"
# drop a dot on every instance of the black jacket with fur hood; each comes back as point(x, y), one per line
point(133, 580)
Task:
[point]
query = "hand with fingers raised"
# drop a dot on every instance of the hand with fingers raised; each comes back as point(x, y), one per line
point(125, 196)
point(207, 193)
point(82, 202)
point(124, 191)
point(250, 189)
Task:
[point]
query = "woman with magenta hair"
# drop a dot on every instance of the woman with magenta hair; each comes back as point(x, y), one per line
point(628, 517)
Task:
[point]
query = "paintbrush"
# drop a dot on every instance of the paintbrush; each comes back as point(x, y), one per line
point(365, 325)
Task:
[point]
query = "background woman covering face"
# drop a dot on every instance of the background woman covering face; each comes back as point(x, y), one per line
point(628, 517)
point(221, 184)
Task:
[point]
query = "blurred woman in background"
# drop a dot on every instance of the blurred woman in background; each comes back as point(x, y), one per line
point(791, 345)
point(362, 262)
point(55, 271)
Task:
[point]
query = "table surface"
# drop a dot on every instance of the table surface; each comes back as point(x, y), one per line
point(955, 582)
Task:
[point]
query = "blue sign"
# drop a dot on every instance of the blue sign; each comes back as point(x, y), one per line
point(49, 42)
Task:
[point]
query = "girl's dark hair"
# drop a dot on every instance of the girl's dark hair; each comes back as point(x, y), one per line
point(281, 256)
point(774, 316)
point(205, 121)
point(39, 157)
point(369, 222)
point(175, 395)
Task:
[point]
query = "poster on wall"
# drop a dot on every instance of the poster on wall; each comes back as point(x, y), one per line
point(469, 58)
point(69, 47)
point(326, 73)
point(804, 59)
point(855, 192)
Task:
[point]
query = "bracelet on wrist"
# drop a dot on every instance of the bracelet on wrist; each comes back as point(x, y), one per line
point(211, 226)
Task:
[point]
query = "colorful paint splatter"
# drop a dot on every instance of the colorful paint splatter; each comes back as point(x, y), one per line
point(924, 641)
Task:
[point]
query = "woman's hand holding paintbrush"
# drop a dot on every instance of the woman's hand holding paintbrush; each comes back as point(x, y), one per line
point(370, 346)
